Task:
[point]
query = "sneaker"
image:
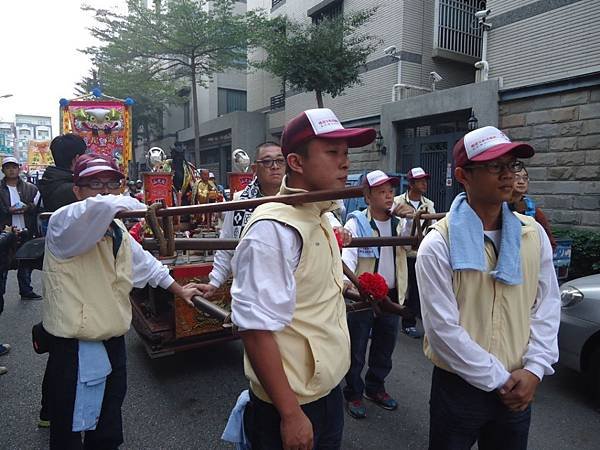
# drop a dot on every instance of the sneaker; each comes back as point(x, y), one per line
point(4, 349)
point(356, 409)
point(383, 399)
point(31, 296)
point(3, 370)
point(43, 423)
point(412, 332)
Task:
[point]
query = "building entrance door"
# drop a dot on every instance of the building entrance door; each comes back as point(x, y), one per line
point(430, 147)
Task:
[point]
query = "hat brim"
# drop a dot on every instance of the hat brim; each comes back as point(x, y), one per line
point(420, 177)
point(101, 171)
point(518, 149)
point(395, 182)
point(355, 137)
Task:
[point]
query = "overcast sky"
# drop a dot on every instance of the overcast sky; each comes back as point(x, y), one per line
point(38, 53)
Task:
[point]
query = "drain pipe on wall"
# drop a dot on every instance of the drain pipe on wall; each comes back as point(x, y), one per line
point(483, 67)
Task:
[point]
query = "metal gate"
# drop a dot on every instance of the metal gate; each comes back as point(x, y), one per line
point(434, 154)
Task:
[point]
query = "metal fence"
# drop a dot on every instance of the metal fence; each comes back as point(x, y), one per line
point(456, 26)
point(278, 101)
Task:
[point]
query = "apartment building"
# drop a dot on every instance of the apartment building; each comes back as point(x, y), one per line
point(542, 86)
point(547, 56)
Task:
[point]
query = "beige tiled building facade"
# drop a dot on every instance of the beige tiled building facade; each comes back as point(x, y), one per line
point(544, 82)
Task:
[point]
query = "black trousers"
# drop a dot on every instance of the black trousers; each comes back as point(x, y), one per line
point(62, 371)
point(461, 414)
point(412, 301)
point(262, 421)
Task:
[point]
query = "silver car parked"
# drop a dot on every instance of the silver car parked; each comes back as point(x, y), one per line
point(579, 334)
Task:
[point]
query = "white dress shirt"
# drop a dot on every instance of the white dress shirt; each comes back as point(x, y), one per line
point(222, 261)
point(452, 343)
point(76, 228)
point(263, 293)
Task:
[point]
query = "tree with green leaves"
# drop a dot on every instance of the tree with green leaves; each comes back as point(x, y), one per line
point(325, 56)
point(187, 40)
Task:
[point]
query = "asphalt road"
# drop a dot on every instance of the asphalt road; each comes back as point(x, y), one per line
point(183, 402)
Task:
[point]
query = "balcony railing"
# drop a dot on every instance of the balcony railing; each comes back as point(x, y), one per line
point(278, 101)
point(276, 2)
point(456, 29)
point(402, 91)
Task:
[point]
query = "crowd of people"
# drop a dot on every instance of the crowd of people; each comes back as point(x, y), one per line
point(482, 283)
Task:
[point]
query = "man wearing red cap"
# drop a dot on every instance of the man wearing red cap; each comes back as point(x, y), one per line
point(90, 266)
point(490, 303)
point(287, 295)
point(406, 205)
point(390, 263)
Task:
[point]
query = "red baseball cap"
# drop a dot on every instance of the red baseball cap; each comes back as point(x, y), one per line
point(485, 144)
point(321, 123)
point(90, 164)
point(379, 177)
point(416, 173)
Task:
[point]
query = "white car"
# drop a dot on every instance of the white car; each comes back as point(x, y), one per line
point(579, 334)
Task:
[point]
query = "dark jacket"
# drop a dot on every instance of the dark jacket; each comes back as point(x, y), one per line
point(27, 192)
point(56, 188)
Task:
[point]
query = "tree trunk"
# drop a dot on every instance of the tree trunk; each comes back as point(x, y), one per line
point(196, 118)
point(319, 99)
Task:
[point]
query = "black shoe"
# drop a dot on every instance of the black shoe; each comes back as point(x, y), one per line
point(31, 296)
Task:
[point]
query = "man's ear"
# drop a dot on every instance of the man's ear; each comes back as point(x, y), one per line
point(253, 168)
point(77, 192)
point(461, 175)
point(295, 162)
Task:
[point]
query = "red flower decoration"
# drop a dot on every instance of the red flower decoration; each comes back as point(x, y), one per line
point(374, 285)
point(339, 237)
point(137, 232)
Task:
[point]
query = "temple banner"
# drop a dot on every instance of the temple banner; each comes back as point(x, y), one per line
point(105, 125)
point(38, 155)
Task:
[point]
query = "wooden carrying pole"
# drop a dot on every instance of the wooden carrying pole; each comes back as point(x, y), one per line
point(289, 199)
point(231, 244)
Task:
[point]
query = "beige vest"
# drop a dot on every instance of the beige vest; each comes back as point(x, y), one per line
point(496, 315)
point(315, 347)
point(426, 206)
point(368, 265)
point(87, 296)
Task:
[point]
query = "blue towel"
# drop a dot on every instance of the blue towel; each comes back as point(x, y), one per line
point(234, 430)
point(94, 367)
point(364, 230)
point(465, 233)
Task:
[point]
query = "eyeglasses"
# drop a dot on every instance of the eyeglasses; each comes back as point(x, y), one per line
point(496, 167)
point(269, 162)
point(521, 178)
point(97, 185)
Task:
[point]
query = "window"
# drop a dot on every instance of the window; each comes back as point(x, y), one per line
point(231, 100)
point(456, 28)
point(329, 9)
